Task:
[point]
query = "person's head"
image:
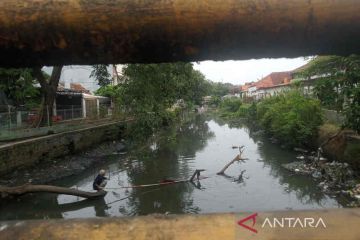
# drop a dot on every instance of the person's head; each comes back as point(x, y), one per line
point(102, 172)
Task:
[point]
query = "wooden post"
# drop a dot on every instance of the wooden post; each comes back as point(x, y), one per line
point(18, 119)
point(46, 32)
point(83, 105)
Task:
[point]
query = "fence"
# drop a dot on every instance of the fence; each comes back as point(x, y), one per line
point(17, 118)
point(14, 118)
point(68, 112)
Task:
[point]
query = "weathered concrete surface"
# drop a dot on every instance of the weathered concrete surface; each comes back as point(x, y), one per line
point(126, 31)
point(29, 152)
point(345, 147)
point(340, 224)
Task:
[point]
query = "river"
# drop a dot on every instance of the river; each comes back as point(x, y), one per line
point(200, 143)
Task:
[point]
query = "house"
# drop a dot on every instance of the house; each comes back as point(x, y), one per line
point(307, 83)
point(206, 100)
point(79, 88)
point(246, 89)
point(273, 84)
point(77, 102)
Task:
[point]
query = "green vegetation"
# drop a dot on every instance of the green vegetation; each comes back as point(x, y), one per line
point(219, 89)
point(101, 74)
point(150, 91)
point(338, 85)
point(233, 108)
point(291, 117)
point(18, 85)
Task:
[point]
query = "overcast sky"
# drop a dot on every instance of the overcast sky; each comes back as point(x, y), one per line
point(239, 72)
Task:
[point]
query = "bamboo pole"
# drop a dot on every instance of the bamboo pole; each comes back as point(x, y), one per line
point(126, 31)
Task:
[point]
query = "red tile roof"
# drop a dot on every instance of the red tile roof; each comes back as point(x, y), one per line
point(273, 79)
point(78, 88)
point(246, 86)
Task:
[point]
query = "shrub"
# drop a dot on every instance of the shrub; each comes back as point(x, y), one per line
point(291, 118)
point(215, 100)
point(230, 105)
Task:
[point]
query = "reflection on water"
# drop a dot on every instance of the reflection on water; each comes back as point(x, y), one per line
point(258, 184)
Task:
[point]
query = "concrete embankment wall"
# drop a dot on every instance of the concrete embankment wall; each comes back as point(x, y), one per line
point(32, 151)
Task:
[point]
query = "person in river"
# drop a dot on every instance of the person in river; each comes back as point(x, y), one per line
point(100, 181)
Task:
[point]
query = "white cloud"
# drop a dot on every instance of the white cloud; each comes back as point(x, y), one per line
point(239, 72)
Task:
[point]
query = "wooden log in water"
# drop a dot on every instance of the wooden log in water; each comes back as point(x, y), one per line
point(44, 32)
point(238, 158)
point(29, 188)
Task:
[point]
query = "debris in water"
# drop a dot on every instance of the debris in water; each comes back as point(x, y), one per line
point(335, 177)
point(300, 150)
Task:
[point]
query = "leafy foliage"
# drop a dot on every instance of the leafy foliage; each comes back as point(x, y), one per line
point(219, 89)
point(150, 90)
point(233, 108)
point(101, 74)
point(231, 104)
point(108, 91)
point(290, 117)
point(339, 85)
point(18, 85)
point(215, 100)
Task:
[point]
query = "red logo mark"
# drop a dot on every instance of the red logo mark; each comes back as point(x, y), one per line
point(253, 217)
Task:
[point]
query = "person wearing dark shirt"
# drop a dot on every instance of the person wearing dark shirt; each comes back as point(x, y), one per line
point(100, 181)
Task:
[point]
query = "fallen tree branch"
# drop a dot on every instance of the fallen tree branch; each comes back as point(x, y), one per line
point(236, 159)
point(29, 188)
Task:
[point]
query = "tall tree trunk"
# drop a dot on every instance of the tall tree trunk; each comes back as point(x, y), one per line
point(48, 89)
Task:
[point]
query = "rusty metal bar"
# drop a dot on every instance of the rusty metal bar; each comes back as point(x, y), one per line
point(52, 32)
point(338, 224)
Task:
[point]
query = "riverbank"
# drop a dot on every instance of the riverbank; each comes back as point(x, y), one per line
point(74, 162)
point(34, 151)
point(200, 143)
point(66, 166)
point(334, 178)
point(331, 166)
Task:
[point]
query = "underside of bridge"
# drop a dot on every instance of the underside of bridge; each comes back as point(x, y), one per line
point(44, 32)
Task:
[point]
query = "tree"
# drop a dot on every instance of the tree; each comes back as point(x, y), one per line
point(338, 84)
point(150, 90)
point(49, 86)
point(220, 89)
point(101, 74)
point(160, 85)
point(290, 117)
point(18, 85)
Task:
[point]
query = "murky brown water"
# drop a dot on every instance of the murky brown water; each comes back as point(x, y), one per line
point(200, 143)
